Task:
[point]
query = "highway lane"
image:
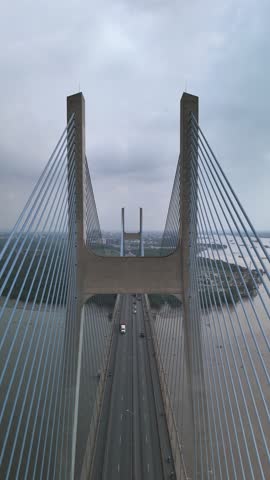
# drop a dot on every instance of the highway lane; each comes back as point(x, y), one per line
point(149, 435)
point(118, 451)
point(128, 444)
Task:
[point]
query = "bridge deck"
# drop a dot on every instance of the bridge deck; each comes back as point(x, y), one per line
point(132, 441)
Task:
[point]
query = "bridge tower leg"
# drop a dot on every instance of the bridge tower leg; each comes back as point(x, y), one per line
point(188, 247)
point(122, 245)
point(75, 312)
point(141, 233)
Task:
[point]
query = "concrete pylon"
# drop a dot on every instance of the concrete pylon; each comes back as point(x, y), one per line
point(75, 312)
point(122, 247)
point(131, 235)
point(190, 296)
point(141, 233)
point(171, 274)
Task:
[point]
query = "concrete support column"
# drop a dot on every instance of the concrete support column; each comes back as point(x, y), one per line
point(188, 247)
point(141, 234)
point(76, 106)
point(122, 245)
point(75, 318)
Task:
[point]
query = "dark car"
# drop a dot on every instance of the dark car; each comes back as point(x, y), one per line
point(142, 334)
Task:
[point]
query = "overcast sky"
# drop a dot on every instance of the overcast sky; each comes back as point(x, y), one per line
point(132, 59)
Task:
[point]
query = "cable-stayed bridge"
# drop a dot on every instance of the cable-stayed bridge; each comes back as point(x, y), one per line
point(185, 392)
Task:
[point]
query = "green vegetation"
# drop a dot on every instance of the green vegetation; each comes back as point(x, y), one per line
point(107, 251)
point(111, 252)
point(151, 252)
point(105, 300)
point(157, 300)
point(37, 272)
point(221, 282)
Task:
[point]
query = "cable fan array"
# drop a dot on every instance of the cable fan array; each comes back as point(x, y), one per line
point(36, 272)
point(229, 325)
point(98, 326)
point(170, 343)
point(94, 239)
point(170, 236)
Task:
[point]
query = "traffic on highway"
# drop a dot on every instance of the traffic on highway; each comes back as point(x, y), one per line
point(132, 441)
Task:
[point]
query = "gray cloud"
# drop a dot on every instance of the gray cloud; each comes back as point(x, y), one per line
point(132, 60)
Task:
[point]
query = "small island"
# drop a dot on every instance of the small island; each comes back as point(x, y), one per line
point(219, 283)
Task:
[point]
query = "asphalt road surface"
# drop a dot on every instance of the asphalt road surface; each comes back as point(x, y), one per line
point(132, 441)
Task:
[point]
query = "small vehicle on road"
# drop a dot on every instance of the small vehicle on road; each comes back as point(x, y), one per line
point(142, 335)
point(123, 328)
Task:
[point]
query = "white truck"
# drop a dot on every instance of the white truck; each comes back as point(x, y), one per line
point(123, 328)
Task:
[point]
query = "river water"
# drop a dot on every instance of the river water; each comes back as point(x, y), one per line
point(235, 362)
point(36, 405)
point(235, 374)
